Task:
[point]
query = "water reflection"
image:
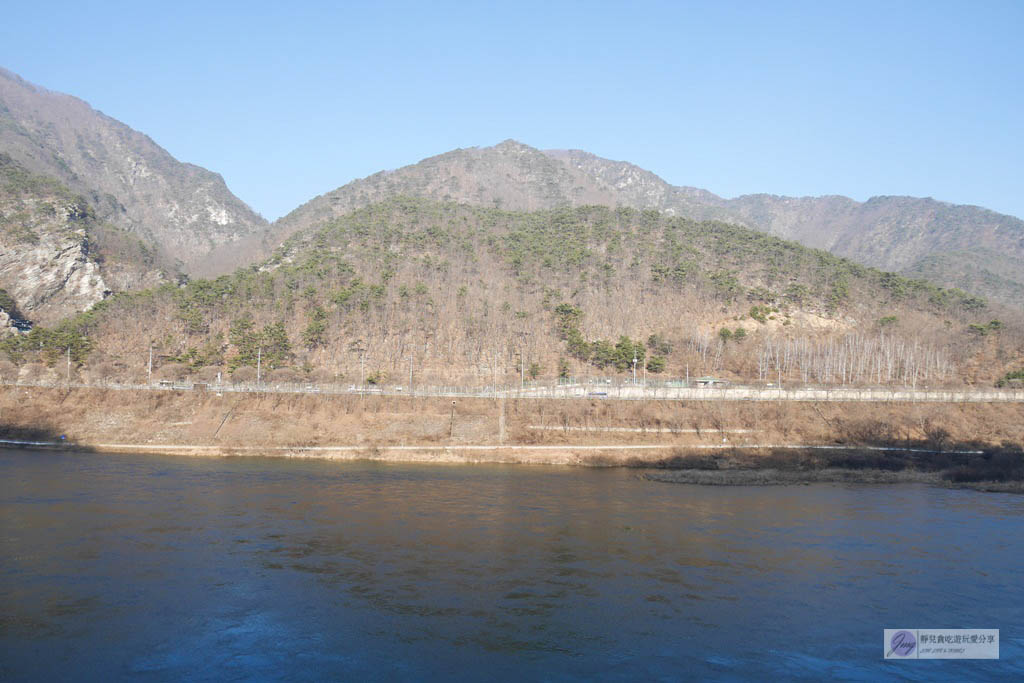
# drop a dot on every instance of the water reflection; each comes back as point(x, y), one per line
point(176, 567)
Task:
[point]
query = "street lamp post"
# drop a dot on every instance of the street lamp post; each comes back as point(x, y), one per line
point(634, 370)
point(356, 347)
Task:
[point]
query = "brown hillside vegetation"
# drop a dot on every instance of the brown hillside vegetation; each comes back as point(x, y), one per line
point(462, 295)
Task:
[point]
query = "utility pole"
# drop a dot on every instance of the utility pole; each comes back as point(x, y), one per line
point(522, 370)
point(259, 363)
point(149, 377)
point(69, 365)
point(634, 364)
point(410, 374)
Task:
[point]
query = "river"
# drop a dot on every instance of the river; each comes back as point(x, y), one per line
point(165, 568)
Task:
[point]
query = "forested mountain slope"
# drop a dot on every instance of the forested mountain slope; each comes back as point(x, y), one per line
point(963, 246)
point(459, 293)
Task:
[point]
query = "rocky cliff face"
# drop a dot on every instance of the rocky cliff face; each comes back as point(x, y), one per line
point(46, 270)
point(45, 264)
point(52, 277)
point(56, 258)
point(132, 183)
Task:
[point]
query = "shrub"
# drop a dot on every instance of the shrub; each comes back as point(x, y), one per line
point(208, 373)
point(101, 372)
point(8, 371)
point(760, 313)
point(35, 372)
point(321, 376)
point(244, 374)
point(1009, 377)
point(285, 375)
point(173, 371)
point(659, 345)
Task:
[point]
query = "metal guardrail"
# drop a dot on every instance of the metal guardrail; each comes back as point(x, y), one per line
point(579, 391)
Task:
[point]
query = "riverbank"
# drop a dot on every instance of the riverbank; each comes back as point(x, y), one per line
point(700, 441)
point(771, 477)
point(992, 468)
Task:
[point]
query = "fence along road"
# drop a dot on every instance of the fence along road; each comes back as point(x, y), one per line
point(620, 392)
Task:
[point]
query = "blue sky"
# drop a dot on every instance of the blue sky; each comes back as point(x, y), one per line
point(857, 98)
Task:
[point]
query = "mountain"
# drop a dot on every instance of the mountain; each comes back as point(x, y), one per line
point(131, 183)
point(967, 247)
point(953, 245)
point(956, 246)
point(459, 293)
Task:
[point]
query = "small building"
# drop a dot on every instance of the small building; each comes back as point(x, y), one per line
point(710, 382)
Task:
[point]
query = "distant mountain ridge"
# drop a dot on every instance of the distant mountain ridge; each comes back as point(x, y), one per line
point(181, 209)
point(186, 215)
point(968, 247)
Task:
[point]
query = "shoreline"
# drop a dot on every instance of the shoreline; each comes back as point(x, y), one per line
point(773, 477)
point(976, 445)
point(598, 456)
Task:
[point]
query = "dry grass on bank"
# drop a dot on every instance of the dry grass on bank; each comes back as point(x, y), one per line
point(109, 416)
point(699, 442)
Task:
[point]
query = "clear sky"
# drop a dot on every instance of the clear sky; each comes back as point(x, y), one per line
point(858, 98)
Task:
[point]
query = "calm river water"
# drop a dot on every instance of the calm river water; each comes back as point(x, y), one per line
point(163, 568)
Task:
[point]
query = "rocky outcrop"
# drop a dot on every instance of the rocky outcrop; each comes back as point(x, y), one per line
point(45, 262)
point(6, 324)
point(56, 258)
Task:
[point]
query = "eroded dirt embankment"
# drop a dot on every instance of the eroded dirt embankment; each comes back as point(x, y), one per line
point(595, 432)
